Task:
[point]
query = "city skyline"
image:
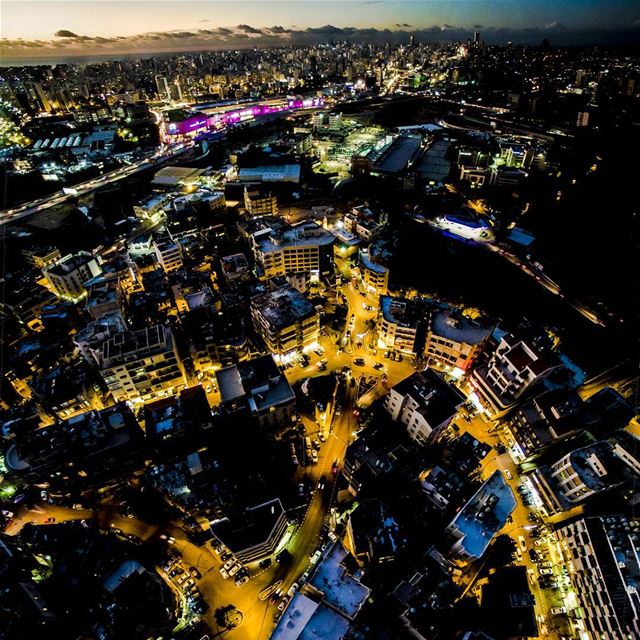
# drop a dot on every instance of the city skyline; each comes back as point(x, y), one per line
point(81, 29)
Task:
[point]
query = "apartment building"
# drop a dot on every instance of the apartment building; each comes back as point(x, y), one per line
point(374, 272)
point(514, 368)
point(168, 253)
point(424, 403)
point(401, 325)
point(259, 202)
point(453, 340)
point(286, 321)
point(303, 248)
point(68, 276)
point(601, 555)
point(141, 365)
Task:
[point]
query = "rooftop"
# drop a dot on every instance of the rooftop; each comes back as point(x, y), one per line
point(251, 527)
point(454, 326)
point(283, 307)
point(399, 154)
point(305, 233)
point(340, 589)
point(484, 514)
point(438, 401)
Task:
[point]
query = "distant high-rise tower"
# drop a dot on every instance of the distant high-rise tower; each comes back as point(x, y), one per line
point(412, 40)
point(476, 38)
point(162, 85)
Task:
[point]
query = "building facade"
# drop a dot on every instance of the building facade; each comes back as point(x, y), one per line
point(601, 555)
point(67, 277)
point(141, 365)
point(286, 321)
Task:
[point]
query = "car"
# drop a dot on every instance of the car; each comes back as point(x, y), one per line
point(378, 365)
point(321, 483)
point(226, 556)
point(182, 578)
point(508, 474)
point(240, 580)
point(523, 543)
point(178, 571)
point(319, 351)
point(283, 603)
point(558, 611)
point(322, 366)
point(223, 573)
point(338, 409)
point(539, 542)
point(301, 489)
point(50, 520)
point(200, 606)
point(234, 569)
point(358, 362)
point(545, 572)
point(195, 573)
point(322, 437)
point(314, 456)
point(229, 563)
point(315, 443)
point(546, 564)
point(292, 589)
point(220, 549)
point(275, 596)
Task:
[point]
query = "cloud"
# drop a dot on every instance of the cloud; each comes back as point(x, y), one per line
point(245, 28)
point(64, 33)
point(68, 43)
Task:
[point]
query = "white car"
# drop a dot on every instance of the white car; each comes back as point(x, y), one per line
point(508, 474)
point(223, 573)
point(242, 580)
point(236, 567)
point(545, 572)
point(558, 611)
point(283, 603)
point(292, 589)
point(314, 456)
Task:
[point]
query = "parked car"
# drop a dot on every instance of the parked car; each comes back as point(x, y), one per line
point(224, 573)
point(234, 569)
point(301, 489)
point(358, 362)
point(195, 573)
point(292, 589)
point(558, 611)
point(242, 580)
point(545, 572)
point(283, 603)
